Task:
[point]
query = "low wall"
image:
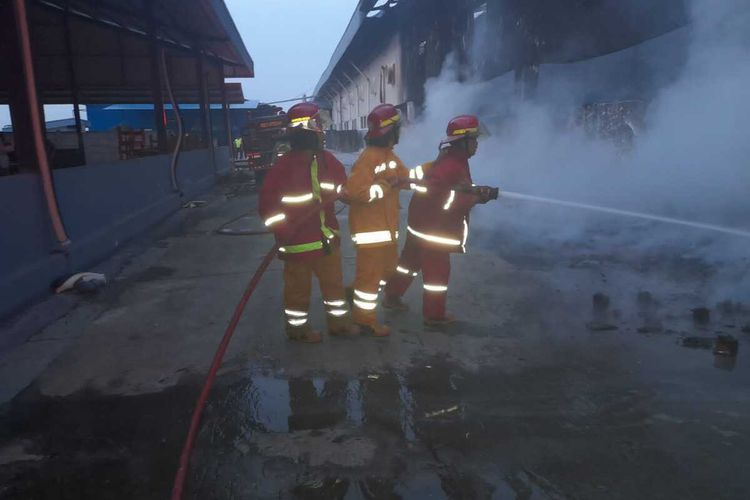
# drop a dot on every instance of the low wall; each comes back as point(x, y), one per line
point(348, 141)
point(102, 206)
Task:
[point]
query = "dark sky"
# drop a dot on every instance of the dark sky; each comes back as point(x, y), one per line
point(291, 42)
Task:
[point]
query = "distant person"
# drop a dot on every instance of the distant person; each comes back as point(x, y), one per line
point(238, 153)
point(373, 190)
point(296, 204)
point(439, 221)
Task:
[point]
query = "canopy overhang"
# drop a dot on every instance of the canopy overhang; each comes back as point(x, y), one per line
point(108, 45)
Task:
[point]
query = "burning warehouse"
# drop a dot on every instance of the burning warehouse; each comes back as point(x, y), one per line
point(504, 302)
point(391, 48)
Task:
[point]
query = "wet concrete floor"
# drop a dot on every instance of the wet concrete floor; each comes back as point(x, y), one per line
point(523, 399)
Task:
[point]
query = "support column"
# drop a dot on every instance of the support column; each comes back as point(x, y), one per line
point(73, 82)
point(226, 111)
point(205, 110)
point(19, 109)
point(156, 80)
point(31, 98)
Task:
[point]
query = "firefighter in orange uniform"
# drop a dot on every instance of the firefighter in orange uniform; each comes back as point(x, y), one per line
point(296, 204)
point(439, 221)
point(373, 191)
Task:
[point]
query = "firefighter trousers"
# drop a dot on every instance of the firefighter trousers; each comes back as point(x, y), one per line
point(298, 285)
point(375, 265)
point(436, 268)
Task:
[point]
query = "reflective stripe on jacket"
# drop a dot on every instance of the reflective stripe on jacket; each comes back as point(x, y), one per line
point(438, 212)
point(293, 205)
point(373, 215)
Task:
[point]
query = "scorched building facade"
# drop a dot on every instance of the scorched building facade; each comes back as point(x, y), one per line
point(392, 47)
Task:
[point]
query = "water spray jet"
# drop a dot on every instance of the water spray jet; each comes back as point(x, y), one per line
point(627, 213)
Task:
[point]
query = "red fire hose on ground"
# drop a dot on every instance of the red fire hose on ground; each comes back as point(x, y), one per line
point(187, 449)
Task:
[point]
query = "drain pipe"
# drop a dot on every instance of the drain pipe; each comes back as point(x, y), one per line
point(22, 25)
point(178, 115)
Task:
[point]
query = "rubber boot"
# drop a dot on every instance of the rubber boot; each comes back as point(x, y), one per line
point(394, 303)
point(303, 334)
point(343, 327)
point(376, 330)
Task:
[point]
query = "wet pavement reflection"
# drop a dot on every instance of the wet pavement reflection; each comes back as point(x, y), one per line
point(599, 386)
point(439, 430)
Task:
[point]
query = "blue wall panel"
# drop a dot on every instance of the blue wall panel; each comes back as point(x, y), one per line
point(102, 207)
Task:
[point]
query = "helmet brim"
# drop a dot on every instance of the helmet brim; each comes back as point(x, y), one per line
point(455, 138)
point(374, 134)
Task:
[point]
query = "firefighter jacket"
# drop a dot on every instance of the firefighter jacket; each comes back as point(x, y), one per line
point(296, 203)
point(439, 209)
point(373, 215)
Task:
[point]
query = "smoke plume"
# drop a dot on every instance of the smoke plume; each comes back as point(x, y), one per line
point(689, 157)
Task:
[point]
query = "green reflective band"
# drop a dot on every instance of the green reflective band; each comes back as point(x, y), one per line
point(327, 232)
point(315, 180)
point(304, 247)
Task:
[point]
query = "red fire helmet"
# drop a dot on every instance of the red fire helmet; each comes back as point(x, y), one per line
point(381, 120)
point(461, 127)
point(307, 116)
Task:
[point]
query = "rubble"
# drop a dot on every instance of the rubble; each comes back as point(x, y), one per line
point(726, 345)
point(728, 307)
point(655, 328)
point(195, 204)
point(438, 413)
point(698, 342)
point(701, 316)
point(600, 326)
point(726, 363)
point(600, 301)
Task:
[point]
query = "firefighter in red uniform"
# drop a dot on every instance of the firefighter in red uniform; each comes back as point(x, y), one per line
point(438, 223)
point(296, 204)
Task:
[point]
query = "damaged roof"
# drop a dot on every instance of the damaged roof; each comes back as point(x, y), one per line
point(528, 31)
point(366, 9)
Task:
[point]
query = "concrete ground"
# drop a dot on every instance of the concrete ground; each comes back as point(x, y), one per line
point(535, 394)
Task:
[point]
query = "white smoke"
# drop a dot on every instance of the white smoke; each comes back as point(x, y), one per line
point(691, 160)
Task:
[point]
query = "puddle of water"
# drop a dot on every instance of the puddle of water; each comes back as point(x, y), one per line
point(268, 402)
point(432, 429)
point(89, 446)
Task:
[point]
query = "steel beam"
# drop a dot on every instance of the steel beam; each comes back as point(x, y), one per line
point(207, 136)
point(156, 82)
point(226, 110)
point(73, 81)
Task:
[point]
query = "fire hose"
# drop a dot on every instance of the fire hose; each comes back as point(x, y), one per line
point(37, 127)
point(178, 117)
point(179, 480)
point(184, 462)
point(486, 192)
